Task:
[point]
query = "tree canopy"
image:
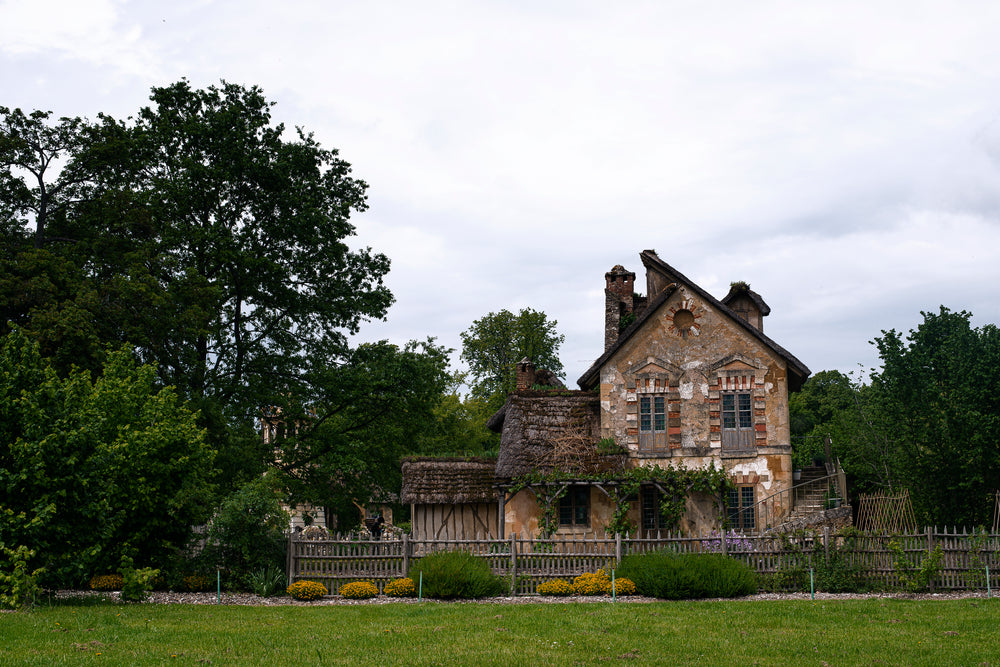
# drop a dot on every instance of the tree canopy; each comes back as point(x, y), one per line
point(928, 420)
point(216, 243)
point(494, 344)
point(93, 470)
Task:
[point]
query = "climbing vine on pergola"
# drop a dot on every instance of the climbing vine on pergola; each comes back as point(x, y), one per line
point(674, 483)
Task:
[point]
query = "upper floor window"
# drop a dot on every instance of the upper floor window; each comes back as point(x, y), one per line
point(737, 420)
point(652, 422)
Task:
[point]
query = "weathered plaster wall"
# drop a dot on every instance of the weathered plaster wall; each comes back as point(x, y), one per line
point(523, 511)
point(689, 366)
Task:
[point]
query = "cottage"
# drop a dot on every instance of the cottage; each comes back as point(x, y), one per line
point(686, 382)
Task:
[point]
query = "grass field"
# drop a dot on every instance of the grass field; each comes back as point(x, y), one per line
point(848, 632)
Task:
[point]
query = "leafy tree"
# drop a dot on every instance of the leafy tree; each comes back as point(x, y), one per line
point(91, 471)
point(247, 533)
point(213, 242)
point(458, 427)
point(31, 147)
point(494, 344)
point(939, 395)
point(839, 407)
point(206, 236)
point(248, 232)
point(342, 442)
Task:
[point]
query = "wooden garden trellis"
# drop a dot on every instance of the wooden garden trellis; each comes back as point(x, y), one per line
point(996, 513)
point(886, 513)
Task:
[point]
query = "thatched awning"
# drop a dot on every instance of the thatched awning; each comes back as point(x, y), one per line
point(449, 480)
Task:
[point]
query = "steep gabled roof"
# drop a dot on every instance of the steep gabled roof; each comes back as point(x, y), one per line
point(797, 371)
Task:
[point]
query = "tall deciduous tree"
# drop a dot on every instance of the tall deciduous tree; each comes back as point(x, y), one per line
point(343, 443)
point(248, 229)
point(939, 396)
point(494, 344)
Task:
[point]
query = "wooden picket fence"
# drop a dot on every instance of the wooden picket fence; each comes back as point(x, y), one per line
point(527, 561)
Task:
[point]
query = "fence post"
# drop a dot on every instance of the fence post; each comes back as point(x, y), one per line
point(930, 548)
point(289, 560)
point(618, 550)
point(513, 563)
point(406, 554)
point(826, 544)
point(722, 540)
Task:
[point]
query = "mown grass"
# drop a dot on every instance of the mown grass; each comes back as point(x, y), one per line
point(849, 632)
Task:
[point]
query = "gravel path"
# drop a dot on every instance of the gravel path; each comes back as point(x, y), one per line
point(169, 597)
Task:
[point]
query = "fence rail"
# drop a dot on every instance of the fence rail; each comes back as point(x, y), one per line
point(527, 561)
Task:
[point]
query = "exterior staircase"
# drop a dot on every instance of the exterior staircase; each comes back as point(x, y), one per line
point(810, 498)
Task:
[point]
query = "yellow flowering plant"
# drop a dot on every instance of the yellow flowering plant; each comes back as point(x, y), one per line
point(559, 587)
point(307, 590)
point(359, 590)
point(106, 582)
point(401, 588)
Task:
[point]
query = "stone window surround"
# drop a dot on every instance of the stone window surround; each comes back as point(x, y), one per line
point(668, 383)
point(742, 380)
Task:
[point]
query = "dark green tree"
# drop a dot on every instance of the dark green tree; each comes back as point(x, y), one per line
point(839, 407)
point(938, 394)
point(494, 344)
point(208, 237)
point(93, 470)
point(343, 443)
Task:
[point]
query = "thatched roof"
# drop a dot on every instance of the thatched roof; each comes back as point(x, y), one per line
point(550, 430)
point(449, 480)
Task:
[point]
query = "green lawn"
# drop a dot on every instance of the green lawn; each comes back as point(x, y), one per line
point(854, 632)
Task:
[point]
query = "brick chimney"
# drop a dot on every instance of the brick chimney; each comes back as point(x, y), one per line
point(525, 378)
point(618, 291)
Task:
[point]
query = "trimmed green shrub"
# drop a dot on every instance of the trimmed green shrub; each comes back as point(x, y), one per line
point(456, 575)
point(674, 576)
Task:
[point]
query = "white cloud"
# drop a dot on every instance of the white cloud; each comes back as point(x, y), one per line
point(843, 158)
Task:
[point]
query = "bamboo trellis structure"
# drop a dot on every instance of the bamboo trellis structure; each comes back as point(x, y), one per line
point(885, 513)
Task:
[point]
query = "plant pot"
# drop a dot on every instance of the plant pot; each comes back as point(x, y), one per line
point(796, 475)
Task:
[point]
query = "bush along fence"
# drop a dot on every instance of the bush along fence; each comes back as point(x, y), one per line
point(843, 561)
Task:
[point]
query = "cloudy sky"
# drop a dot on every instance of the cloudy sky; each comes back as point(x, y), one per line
point(841, 157)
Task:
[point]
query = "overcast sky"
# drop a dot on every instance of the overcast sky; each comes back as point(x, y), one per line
point(841, 157)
